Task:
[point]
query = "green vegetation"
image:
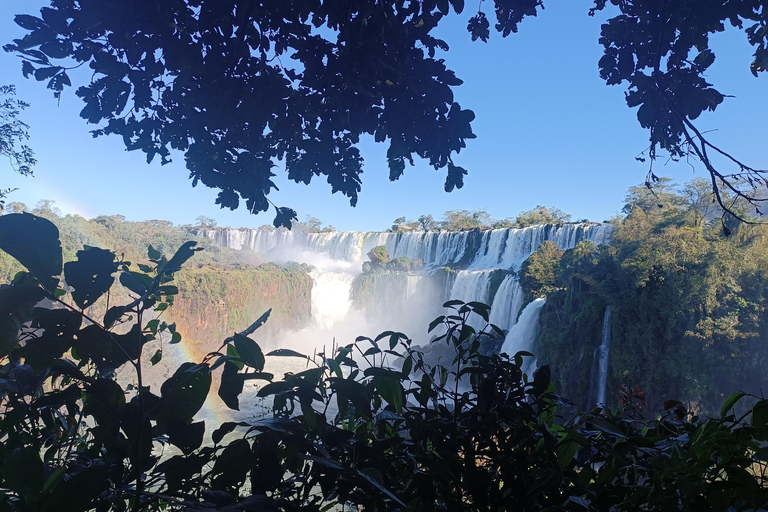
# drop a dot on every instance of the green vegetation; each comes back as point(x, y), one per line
point(461, 220)
point(688, 304)
point(229, 290)
point(388, 431)
point(13, 133)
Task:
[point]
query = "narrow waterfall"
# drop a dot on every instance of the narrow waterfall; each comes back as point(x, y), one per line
point(598, 389)
point(523, 334)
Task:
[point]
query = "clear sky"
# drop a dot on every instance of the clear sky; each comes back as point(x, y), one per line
point(549, 131)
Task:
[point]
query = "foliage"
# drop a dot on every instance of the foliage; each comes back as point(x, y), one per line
point(385, 430)
point(688, 304)
point(13, 133)
point(312, 78)
point(378, 260)
point(307, 94)
point(457, 220)
point(665, 75)
point(541, 215)
point(539, 273)
point(205, 222)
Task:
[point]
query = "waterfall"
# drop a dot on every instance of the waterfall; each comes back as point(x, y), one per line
point(523, 334)
point(598, 392)
point(409, 299)
point(507, 303)
point(497, 248)
point(330, 297)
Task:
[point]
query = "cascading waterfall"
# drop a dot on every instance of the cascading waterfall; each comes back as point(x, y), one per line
point(481, 253)
point(523, 334)
point(497, 248)
point(598, 392)
point(330, 297)
point(507, 303)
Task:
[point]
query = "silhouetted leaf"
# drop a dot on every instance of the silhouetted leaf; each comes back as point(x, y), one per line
point(34, 242)
point(231, 386)
point(186, 437)
point(226, 428)
point(286, 352)
point(186, 251)
point(184, 393)
point(90, 275)
point(16, 305)
point(112, 315)
point(250, 352)
point(136, 282)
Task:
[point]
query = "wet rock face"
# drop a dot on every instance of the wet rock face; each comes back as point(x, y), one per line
point(215, 303)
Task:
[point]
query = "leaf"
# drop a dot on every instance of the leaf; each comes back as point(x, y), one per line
point(231, 386)
point(704, 59)
point(354, 392)
point(136, 282)
point(760, 413)
point(157, 357)
point(730, 402)
point(23, 472)
point(16, 305)
point(231, 353)
point(249, 352)
point(566, 452)
point(232, 465)
point(285, 352)
point(34, 242)
point(186, 437)
point(105, 401)
point(225, 429)
point(28, 22)
point(90, 275)
point(186, 251)
point(452, 303)
point(46, 73)
point(112, 315)
point(154, 254)
point(184, 393)
point(391, 390)
point(434, 323)
point(258, 323)
point(78, 491)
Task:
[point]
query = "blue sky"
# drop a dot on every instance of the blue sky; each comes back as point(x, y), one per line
point(549, 131)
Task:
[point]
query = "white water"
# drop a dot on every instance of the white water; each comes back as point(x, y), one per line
point(601, 354)
point(507, 303)
point(497, 248)
point(523, 334)
point(406, 302)
point(331, 298)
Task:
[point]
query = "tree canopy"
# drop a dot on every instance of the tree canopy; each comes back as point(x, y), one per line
point(13, 133)
point(239, 86)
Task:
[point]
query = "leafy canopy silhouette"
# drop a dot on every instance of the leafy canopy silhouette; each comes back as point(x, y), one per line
point(239, 85)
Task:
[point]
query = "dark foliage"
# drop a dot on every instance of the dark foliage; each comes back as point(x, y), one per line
point(383, 430)
point(239, 85)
